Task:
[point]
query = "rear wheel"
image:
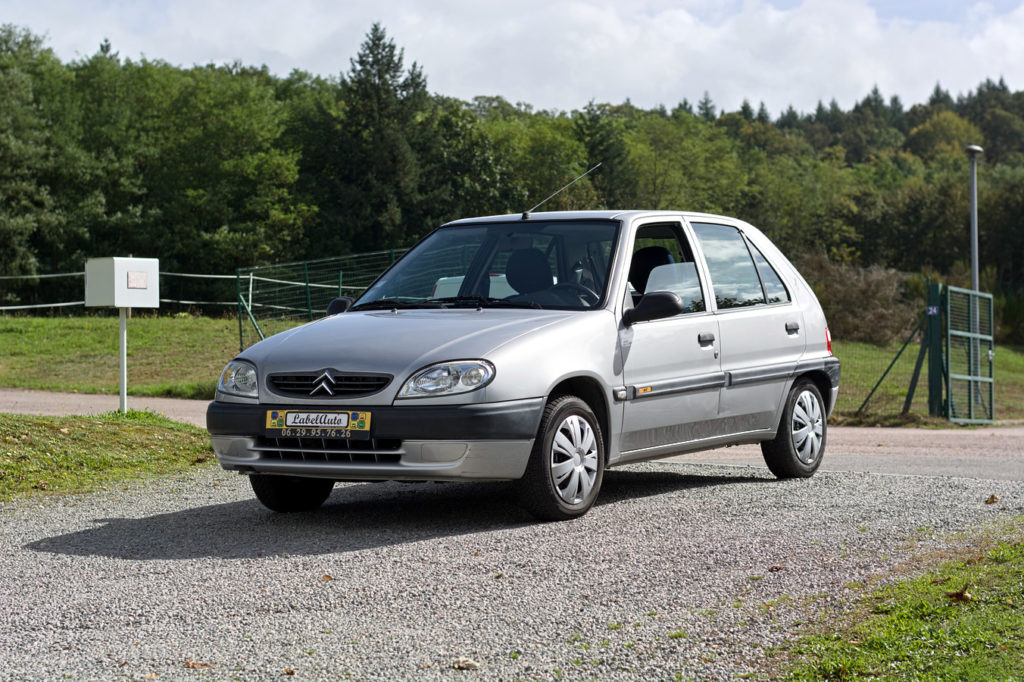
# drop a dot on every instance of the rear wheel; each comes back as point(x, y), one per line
point(799, 444)
point(566, 467)
point(290, 493)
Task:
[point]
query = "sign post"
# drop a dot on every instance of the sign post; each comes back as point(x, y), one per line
point(122, 283)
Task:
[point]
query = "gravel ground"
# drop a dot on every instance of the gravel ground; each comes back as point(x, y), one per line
point(681, 569)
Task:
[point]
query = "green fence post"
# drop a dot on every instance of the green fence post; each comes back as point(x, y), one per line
point(339, 282)
point(309, 299)
point(238, 293)
point(936, 336)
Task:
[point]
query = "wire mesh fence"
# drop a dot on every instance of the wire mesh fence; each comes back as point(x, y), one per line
point(865, 394)
point(969, 355)
point(272, 298)
point(36, 295)
point(876, 380)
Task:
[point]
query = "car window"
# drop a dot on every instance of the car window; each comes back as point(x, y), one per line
point(774, 289)
point(663, 261)
point(680, 279)
point(733, 273)
point(441, 265)
point(556, 264)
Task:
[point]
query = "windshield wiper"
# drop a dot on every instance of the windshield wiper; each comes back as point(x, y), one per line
point(386, 303)
point(483, 302)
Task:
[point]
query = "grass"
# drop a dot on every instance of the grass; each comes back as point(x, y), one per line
point(179, 357)
point(40, 455)
point(863, 364)
point(961, 621)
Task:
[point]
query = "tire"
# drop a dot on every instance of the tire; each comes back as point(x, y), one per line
point(799, 444)
point(566, 467)
point(290, 493)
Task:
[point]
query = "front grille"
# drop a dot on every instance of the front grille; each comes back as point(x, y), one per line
point(334, 451)
point(342, 384)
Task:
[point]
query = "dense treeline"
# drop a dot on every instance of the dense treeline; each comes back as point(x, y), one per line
point(214, 167)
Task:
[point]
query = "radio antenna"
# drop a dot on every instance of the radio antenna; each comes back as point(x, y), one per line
point(526, 214)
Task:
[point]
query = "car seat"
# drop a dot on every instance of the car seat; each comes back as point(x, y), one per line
point(645, 260)
point(528, 271)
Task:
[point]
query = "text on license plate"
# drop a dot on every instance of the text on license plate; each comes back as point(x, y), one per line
point(303, 423)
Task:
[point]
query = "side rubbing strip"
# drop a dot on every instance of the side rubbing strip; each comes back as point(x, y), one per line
point(670, 386)
point(766, 373)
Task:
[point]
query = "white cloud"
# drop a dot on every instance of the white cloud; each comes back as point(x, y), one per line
point(562, 53)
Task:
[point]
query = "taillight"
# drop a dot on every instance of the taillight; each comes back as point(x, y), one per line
point(828, 340)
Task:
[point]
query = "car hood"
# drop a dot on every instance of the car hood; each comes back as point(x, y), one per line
point(395, 342)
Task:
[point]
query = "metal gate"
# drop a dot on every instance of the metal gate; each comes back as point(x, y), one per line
point(970, 388)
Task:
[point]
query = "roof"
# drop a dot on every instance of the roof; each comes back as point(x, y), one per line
point(584, 215)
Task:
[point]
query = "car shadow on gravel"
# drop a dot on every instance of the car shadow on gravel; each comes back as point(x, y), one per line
point(356, 517)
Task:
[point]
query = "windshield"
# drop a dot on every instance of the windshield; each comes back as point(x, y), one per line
point(530, 264)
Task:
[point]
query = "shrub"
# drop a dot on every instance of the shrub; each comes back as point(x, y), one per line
point(874, 304)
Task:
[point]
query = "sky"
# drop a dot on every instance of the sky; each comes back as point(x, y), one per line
point(562, 54)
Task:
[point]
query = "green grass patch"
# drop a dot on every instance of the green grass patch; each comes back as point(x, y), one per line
point(182, 356)
point(961, 621)
point(79, 454)
point(863, 364)
point(179, 357)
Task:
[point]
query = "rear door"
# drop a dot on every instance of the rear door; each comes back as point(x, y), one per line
point(762, 336)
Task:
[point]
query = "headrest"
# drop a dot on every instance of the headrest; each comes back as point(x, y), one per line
point(527, 271)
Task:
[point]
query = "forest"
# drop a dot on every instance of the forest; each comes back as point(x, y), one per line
point(215, 167)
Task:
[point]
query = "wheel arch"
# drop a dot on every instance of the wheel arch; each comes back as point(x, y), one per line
point(822, 383)
point(591, 392)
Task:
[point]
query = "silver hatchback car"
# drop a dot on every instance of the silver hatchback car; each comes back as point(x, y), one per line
point(539, 348)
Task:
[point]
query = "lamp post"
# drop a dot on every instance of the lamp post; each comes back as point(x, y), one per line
point(973, 151)
point(972, 154)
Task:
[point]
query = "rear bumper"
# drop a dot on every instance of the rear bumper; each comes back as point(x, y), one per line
point(490, 441)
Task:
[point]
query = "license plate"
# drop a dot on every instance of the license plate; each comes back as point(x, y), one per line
point(320, 424)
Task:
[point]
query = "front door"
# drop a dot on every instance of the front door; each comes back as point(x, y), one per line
point(671, 367)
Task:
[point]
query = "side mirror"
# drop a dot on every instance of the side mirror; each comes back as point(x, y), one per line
point(654, 306)
point(339, 305)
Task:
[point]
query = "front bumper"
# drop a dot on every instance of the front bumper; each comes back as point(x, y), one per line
point(490, 441)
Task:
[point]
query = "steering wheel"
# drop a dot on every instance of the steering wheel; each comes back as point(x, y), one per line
point(585, 294)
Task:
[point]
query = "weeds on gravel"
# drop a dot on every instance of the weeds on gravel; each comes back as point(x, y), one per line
point(80, 454)
point(962, 621)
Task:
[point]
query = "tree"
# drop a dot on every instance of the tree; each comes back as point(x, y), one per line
point(747, 111)
point(706, 108)
point(685, 164)
point(1004, 135)
point(461, 173)
point(684, 108)
point(375, 170)
point(603, 136)
point(943, 133)
point(762, 114)
point(26, 205)
point(544, 153)
point(789, 118)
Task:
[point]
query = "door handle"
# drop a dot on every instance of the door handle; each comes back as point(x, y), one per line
point(705, 338)
point(792, 327)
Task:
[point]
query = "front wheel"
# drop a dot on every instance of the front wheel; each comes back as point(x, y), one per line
point(290, 493)
point(799, 444)
point(566, 466)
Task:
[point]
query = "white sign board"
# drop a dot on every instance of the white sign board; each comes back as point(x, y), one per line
point(122, 282)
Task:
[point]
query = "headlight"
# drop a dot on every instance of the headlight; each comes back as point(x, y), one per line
point(239, 378)
point(448, 378)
